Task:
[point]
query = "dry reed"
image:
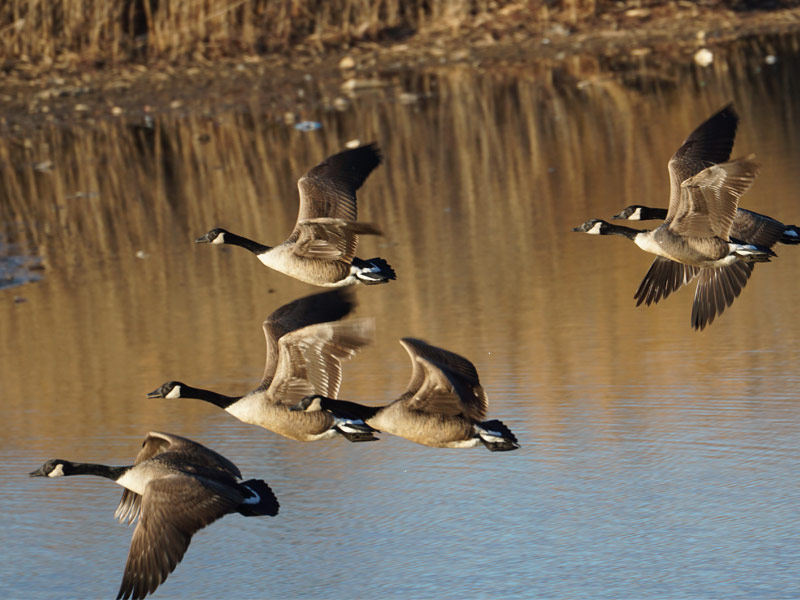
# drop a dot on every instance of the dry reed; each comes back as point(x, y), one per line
point(99, 31)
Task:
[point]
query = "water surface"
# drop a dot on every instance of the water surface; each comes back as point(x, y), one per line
point(656, 461)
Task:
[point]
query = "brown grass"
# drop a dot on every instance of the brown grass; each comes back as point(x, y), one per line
point(101, 31)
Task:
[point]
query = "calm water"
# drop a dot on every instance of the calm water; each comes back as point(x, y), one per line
point(656, 461)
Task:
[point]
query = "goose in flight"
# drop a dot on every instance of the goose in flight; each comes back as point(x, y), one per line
point(695, 239)
point(322, 247)
point(306, 345)
point(174, 488)
point(444, 405)
point(748, 226)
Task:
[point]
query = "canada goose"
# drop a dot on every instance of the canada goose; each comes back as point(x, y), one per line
point(322, 248)
point(695, 236)
point(175, 487)
point(305, 349)
point(444, 405)
point(747, 225)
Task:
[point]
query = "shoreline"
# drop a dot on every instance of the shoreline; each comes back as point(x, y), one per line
point(292, 86)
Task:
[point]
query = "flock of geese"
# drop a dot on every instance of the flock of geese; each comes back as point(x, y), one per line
point(176, 486)
point(704, 234)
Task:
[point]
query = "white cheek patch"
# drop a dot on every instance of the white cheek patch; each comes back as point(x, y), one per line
point(595, 230)
point(57, 472)
point(174, 392)
point(220, 239)
point(636, 215)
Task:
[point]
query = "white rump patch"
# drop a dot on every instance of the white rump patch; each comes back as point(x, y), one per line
point(254, 499)
point(469, 443)
point(745, 249)
point(350, 426)
point(57, 472)
point(491, 436)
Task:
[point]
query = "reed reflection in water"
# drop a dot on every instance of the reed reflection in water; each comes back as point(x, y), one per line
point(655, 461)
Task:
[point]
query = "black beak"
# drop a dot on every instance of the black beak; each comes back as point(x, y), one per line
point(202, 240)
point(155, 394)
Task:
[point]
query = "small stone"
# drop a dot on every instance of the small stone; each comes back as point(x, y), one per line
point(347, 63)
point(116, 111)
point(770, 59)
point(704, 57)
point(81, 107)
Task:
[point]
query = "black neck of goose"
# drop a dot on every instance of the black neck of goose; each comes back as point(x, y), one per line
point(208, 396)
point(628, 232)
point(77, 468)
point(348, 410)
point(247, 244)
point(653, 214)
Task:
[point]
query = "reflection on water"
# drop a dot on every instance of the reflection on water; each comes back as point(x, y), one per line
point(655, 461)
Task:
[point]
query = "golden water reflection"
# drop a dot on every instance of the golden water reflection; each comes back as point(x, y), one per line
point(481, 184)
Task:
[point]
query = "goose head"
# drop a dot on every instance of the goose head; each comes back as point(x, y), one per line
point(595, 227)
point(215, 236)
point(634, 212)
point(171, 389)
point(309, 403)
point(55, 467)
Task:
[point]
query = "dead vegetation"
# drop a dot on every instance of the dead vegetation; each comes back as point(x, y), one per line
point(100, 32)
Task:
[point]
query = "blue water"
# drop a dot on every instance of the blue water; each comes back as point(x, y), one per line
point(655, 461)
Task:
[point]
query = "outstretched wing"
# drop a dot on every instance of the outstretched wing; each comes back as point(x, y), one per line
point(662, 278)
point(174, 508)
point(310, 310)
point(445, 382)
point(310, 359)
point(716, 290)
point(708, 200)
point(330, 239)
point(156, 442)
point(329, 189)
point(711, 143)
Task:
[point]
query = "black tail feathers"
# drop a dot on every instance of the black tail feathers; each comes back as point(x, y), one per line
point(497, 437)
point(265, 504)
point(791, 235)
point(357, 436)
point(374, 270)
